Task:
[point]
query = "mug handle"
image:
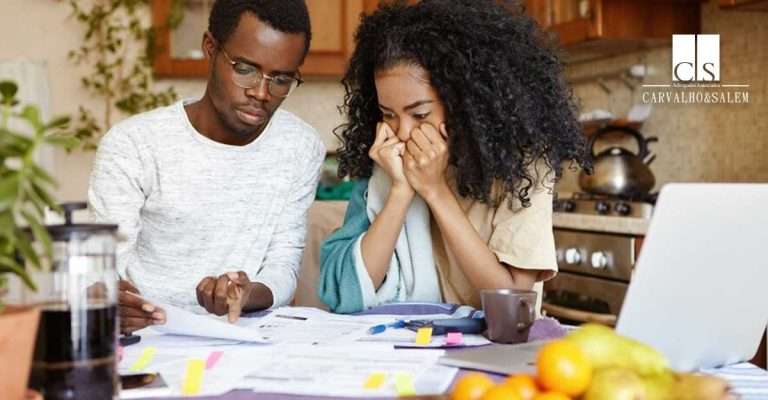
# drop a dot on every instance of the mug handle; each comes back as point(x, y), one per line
point(530, 315)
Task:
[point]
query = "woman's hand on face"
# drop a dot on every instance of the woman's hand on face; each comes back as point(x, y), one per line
point(426, 159)
point(387, 151)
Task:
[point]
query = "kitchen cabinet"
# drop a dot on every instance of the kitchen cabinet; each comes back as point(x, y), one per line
point(591, 29)
point(178, 54)
point(745, 5)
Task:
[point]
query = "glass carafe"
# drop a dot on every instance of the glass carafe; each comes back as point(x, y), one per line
point(77, 292)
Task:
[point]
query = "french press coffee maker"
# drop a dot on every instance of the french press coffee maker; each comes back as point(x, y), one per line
point(77, 292)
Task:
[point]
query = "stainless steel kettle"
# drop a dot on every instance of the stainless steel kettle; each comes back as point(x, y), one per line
point(616, 170)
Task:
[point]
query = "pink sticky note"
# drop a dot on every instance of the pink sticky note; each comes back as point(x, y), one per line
point(213, 358)
point(454, 338)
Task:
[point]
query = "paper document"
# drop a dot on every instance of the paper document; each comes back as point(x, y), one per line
point(233, 362)
point(356, 370)
point(182, 322)
point(310, 326)
point(302, 325)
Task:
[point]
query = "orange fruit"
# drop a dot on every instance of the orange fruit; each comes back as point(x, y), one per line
point(563, 367)
point(551, 396)
point(525, 385)
point(501, 392)
point(471, 386)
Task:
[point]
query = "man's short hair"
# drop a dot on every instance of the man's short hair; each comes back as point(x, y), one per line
point(290, 16)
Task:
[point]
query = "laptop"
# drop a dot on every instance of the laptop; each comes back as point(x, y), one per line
point(699, 289)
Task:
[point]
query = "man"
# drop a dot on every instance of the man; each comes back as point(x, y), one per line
point(212, 195)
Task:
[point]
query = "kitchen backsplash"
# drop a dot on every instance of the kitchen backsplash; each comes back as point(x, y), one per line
point(723, 142)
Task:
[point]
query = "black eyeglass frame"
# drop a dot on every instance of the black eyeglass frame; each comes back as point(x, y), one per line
point(257, 82)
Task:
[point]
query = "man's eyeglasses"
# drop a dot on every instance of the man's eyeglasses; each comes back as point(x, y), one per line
point(249, 76)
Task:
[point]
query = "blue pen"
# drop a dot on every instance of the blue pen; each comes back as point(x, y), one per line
point(376, 329)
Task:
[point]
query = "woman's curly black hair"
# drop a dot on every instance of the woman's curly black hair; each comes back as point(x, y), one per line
point(507, 105)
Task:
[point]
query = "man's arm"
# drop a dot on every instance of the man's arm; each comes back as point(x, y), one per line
point(279, 273)
point(116, 191)
point(116, 194)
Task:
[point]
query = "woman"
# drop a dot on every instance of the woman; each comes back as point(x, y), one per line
point(458, 123)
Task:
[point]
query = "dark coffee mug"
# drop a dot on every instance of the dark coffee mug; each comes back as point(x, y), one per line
point(509, 314)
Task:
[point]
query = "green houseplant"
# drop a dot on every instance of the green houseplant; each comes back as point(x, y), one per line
point(24, 196)
point(117, 48)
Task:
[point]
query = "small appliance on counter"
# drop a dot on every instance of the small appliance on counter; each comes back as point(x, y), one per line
point(617, 171)
point(77, 290)
point(596, 264)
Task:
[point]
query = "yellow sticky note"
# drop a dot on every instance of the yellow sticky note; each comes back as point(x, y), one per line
point(404, 383)
point(375, 380)
point(193, 377)
point(144, 359)
point(424, 336)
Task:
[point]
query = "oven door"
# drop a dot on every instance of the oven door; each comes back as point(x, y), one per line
point(574, 299)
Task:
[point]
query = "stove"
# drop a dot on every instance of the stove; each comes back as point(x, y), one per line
point(595, 267)
point(589, 204)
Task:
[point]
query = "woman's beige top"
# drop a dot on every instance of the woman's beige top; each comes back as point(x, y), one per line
point(520, 237)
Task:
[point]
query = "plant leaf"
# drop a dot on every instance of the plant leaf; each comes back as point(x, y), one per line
point(9, 190)
point(8, 264)
point(65, 142)
point(7, 226)
point(58, 122)
point(27, 251)
point(41, 192)
point(8, 91)
point(17, 144)
point(42, 175)
point(40, 233)
point(32, 115)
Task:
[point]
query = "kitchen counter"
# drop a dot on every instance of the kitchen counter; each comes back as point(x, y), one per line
point(599, 223)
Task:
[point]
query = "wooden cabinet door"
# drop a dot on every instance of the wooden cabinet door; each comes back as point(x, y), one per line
point(540, 11)
point(178, 52)
point(746, 5)
point(333, 25)
point(576, 21)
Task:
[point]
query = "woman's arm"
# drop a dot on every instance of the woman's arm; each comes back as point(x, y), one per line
point(478, 262)
point(426, 161)
point(378, 244)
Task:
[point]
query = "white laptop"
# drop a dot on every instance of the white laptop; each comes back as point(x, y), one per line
point(699, 293)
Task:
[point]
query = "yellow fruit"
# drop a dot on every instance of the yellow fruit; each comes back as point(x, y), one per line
point(659, 386)
point(700, 387)
point(471, 386)
point(501, 392)
point(616, 384)
point(525, 385)
point(563, 367)
point(551, 396)
point(605, 348)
